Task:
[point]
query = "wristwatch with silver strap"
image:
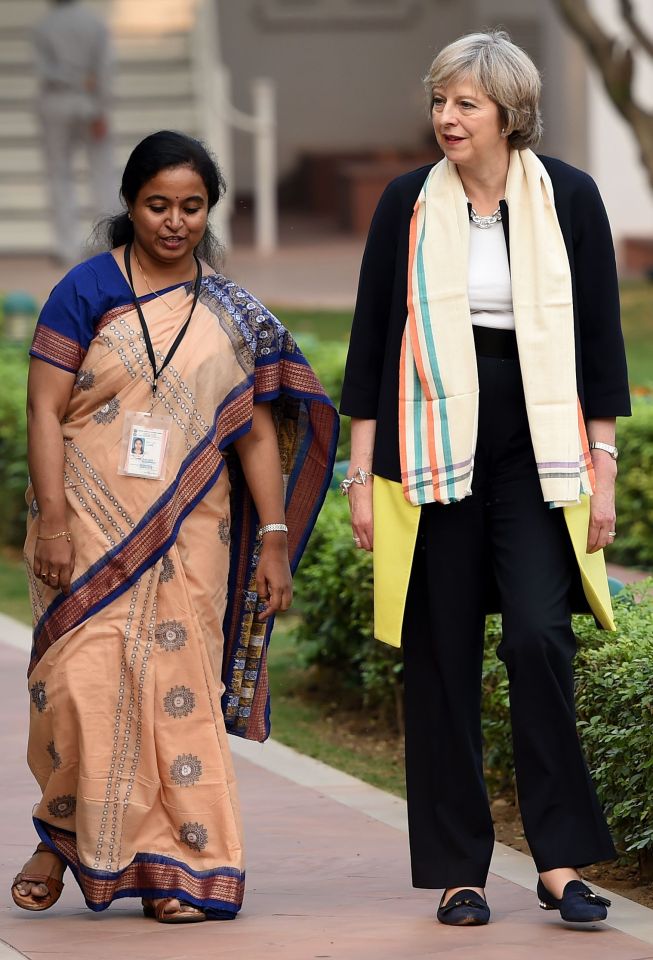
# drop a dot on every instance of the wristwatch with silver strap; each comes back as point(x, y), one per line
point(599, 445)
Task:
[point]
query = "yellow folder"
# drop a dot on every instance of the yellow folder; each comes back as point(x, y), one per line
point(591, 565)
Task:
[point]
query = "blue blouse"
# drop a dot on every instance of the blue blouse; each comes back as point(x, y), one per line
point(69, 318)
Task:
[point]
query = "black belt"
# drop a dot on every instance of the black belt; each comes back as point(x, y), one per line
point(495, 342)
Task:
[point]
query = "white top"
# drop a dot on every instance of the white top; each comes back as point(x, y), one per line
point(489, 288)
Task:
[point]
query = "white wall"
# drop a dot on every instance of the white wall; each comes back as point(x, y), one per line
point(341, 83)
point(613, 153)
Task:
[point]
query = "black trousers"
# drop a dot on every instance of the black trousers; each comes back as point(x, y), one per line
point(507, 525)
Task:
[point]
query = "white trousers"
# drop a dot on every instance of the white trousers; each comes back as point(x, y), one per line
point(66, 125)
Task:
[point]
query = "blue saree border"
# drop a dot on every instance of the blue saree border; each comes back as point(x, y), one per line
point(236, 603)
point(148, 892)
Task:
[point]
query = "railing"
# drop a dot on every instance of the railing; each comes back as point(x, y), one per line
point(218, 117)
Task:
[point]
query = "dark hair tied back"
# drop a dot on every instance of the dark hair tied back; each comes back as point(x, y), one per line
point(162, 151)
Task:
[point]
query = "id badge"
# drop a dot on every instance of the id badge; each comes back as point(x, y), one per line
point(144, 445)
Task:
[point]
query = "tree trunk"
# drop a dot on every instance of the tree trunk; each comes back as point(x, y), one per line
point(615, 65)
point(642, 124)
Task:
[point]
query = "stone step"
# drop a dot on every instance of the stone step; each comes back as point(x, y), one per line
point(25, 165)
point(26, 235)
point(33, 198)
point(135, 50)
point(134, 122)
point(176, 83)
point(23, 14)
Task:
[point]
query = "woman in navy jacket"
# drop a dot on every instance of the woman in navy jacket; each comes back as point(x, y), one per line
point(498, 544)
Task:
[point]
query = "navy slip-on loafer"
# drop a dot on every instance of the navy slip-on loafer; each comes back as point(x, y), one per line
point(579, 904)
point(464, 909)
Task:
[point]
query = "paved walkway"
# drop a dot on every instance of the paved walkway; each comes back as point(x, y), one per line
point(328, 876)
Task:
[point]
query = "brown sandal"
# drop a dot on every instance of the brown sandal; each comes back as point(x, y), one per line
point(32, 902)
point(157, 910)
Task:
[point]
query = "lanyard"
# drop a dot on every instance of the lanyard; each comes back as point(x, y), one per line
point(146, 333)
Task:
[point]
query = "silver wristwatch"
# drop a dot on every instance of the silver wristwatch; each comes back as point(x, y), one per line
point(599, 445)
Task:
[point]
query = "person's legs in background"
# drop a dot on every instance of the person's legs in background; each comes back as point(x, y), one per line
point(102, 178)
point(59, 134)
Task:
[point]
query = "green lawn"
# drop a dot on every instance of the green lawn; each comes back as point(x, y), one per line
point(14, 600)
point(324, 324)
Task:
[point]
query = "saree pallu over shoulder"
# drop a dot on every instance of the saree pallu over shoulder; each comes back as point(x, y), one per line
point(307, 430)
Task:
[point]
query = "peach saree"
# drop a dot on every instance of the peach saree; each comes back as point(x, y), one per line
point(137, 673)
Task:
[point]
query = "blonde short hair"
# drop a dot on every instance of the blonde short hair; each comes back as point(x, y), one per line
point(504, 72)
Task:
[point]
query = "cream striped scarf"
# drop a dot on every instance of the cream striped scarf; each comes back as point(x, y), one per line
point(438, 391)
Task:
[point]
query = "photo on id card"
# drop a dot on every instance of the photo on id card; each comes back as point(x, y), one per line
point(144, 444)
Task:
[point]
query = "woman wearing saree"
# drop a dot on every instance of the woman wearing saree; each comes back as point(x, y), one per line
point(146, 559)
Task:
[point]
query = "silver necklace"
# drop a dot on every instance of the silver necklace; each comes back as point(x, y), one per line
point(484, 222)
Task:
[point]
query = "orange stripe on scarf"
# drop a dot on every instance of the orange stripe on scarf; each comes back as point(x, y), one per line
point(419, 363)
point(587, 458)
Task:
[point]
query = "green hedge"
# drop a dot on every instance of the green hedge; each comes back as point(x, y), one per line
point(615, 711)
point(634, 543)
point(614, 701)
point(615, 694)
point(13, 443)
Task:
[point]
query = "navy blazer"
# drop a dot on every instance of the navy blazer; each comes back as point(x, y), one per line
point(371, 385)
